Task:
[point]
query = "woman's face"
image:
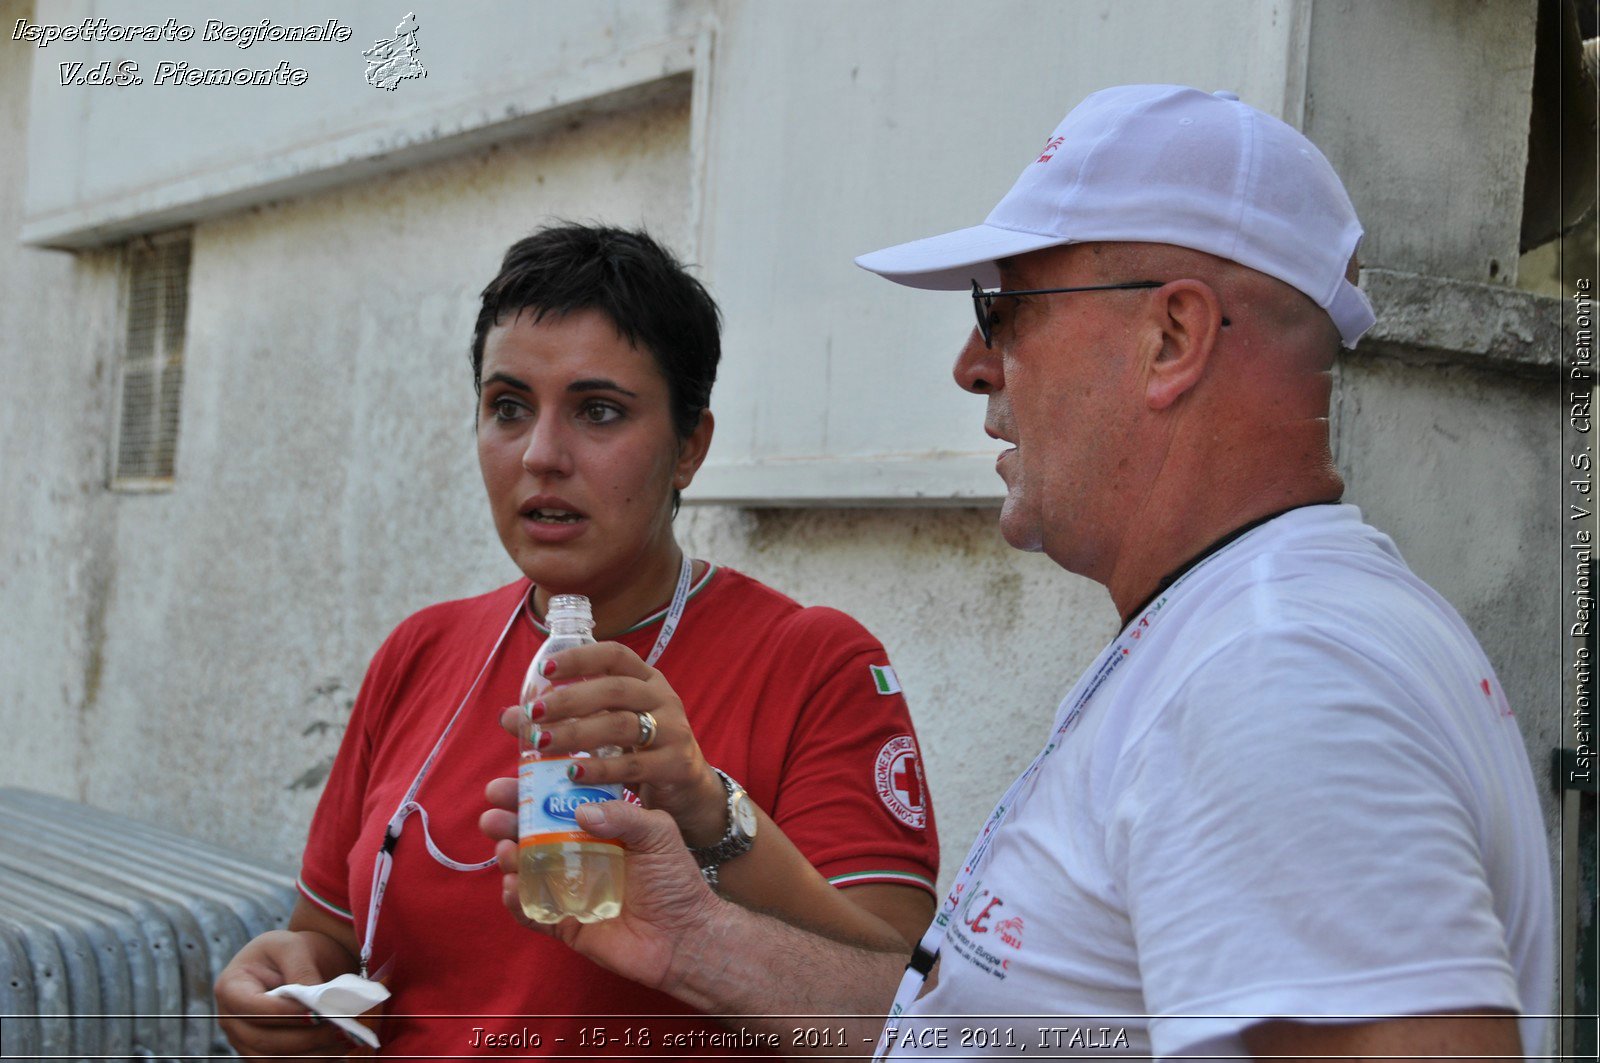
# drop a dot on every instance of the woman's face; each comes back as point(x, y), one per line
point(578, 453)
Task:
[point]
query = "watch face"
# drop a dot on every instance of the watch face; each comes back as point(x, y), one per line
point(744, 816)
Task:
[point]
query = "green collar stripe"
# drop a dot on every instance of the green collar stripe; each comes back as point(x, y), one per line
point(655, 617)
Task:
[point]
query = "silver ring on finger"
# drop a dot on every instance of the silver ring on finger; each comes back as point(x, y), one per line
point(647, 730)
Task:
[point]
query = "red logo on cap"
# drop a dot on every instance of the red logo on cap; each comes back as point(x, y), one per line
point(1050, 147)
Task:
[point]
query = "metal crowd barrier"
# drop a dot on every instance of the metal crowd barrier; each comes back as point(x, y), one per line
point(112, 931)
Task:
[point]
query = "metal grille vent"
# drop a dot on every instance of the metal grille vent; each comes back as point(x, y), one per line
point(152, 362)
point(112, 931)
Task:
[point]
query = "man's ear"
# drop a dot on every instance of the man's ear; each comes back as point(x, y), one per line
point(1189, 319)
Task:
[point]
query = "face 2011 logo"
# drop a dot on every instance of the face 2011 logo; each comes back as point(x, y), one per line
point(981, 914)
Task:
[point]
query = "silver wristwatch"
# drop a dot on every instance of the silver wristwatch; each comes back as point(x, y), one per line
point(737, 839)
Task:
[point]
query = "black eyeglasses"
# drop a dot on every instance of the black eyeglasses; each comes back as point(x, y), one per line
point(983, 302)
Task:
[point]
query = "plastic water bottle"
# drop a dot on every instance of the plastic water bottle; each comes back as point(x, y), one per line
point(562, 870)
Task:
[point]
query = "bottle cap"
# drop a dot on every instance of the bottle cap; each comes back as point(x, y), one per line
point(569, 607)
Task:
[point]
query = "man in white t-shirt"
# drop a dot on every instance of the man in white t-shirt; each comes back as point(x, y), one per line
point(1287, 812)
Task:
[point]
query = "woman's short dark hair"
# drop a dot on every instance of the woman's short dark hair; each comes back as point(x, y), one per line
point(640, 285)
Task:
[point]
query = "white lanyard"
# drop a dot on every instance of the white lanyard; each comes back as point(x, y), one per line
point(383, 864)
point(927, 950)
point(680, 598)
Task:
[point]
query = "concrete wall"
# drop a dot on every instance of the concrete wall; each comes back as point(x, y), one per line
point(1423, 107)
point(58, 327)
point(189, 656)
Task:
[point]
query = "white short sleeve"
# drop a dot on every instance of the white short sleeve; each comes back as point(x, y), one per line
point(1298, 835)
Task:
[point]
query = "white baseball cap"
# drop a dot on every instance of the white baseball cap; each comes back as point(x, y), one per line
point(1169, 165)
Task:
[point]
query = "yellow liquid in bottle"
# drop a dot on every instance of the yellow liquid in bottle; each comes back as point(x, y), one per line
point(576, 880)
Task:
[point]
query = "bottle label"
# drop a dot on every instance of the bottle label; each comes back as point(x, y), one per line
point(548, 802)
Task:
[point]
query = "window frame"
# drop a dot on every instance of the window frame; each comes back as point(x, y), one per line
point(164, 364)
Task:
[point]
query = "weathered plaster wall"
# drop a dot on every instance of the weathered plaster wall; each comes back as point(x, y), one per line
point(57, 317)
point(1423, 107)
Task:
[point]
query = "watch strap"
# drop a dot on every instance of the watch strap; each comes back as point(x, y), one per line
point(734, 842)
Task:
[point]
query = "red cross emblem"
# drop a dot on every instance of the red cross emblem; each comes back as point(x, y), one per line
point(898, 775)
point(907, 779)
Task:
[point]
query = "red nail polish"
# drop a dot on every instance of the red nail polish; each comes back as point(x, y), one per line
point(549, 669)
point(575, 772)
point(544, 739)
point(536, 710)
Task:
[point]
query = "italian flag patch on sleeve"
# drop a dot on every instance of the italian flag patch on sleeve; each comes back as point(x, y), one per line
point(884, 679)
